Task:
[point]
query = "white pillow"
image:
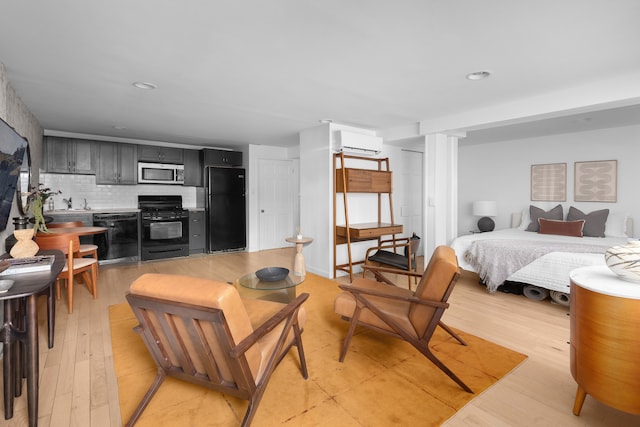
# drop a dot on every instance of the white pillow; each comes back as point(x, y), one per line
point(616, 225)
point(525, 219)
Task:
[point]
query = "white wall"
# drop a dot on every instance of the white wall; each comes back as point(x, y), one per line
point(501, 171)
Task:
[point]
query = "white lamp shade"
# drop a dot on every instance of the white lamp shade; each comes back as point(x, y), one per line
point(485, 208)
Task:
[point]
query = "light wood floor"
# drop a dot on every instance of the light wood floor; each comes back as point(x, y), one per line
point(78, 385)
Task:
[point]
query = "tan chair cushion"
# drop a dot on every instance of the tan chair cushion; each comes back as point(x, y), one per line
point(345, 305)
point(259, 312)
point(441, 269)
point(206, 293)
point(79, 263)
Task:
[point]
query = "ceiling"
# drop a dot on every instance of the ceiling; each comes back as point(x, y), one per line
point(230, 73)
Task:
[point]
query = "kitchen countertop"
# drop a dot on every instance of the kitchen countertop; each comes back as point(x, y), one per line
point(101, 210)
point(81, 211)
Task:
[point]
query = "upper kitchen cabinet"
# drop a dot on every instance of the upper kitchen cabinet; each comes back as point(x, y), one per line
point(117, 163)
point(149, 153)
point(222, 158)
point(193, 170)
point(68, 155)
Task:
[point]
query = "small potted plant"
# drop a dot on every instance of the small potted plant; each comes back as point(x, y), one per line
point(37, 198)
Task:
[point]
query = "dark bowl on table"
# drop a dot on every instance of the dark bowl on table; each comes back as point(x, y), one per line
point(272, 274)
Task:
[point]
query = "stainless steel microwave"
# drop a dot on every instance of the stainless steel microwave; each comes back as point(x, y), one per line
point(160, 173)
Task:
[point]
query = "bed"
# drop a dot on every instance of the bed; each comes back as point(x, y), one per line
point(535, 263)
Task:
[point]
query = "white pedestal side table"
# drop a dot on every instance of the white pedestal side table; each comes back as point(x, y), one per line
point(299, 268)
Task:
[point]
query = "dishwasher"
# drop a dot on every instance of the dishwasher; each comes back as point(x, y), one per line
point(120, 242)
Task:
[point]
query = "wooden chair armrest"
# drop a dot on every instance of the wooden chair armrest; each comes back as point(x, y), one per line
point(356, 290)
point(285, 313)
point(374, 268)
point(389, 244)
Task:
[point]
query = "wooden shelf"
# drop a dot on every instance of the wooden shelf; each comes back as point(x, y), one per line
point(370, 230)
point(362, 181)
point(378, 181)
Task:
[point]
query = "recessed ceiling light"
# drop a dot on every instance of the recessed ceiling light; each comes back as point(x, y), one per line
point(119, 127)
point(478, 75)
point(325, 121)
point(144, 85)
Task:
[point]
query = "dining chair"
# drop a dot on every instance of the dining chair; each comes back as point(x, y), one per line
point(411, 316)
point(86, 249)
point(201, 331)
point(87, 268)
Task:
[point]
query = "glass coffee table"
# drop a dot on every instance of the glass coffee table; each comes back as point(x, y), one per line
point(284, 290)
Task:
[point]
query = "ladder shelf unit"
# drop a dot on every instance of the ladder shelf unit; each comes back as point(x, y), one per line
point(347, 180)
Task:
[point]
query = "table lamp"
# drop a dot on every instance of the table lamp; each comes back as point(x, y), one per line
point(485, 209)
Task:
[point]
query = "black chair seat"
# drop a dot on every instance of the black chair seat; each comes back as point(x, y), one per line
point(390, 258)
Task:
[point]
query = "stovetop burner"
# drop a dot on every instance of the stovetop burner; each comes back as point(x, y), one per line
point(159, 203)
point(161, 207)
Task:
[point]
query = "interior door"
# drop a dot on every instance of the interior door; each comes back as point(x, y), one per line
point(275, 201)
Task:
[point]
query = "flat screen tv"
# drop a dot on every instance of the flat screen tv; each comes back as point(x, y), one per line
point(12, 153)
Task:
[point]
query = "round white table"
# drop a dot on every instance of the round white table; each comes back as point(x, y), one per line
point(299, 268)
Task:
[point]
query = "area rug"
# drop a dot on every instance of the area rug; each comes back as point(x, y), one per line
point(383, 381)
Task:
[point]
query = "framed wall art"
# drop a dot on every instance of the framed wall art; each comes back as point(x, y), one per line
point(596, 181)
point(549, 182)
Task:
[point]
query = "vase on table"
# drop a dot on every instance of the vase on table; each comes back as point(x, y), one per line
point(25, 246)
point(624, 260)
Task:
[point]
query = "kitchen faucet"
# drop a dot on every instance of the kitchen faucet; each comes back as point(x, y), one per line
point(68, 202)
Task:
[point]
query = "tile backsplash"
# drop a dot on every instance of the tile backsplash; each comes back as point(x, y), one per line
point(81, 187)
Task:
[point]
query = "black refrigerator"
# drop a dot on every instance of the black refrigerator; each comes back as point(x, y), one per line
point(226, 209)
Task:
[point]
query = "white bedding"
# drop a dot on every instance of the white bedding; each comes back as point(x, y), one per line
point(551, 271)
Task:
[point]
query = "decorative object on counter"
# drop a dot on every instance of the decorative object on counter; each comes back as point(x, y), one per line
point(272, 274)
point(624, 260)
point(38, 197)
point(23, 244)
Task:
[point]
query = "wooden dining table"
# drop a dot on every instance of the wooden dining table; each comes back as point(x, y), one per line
point(80, 231)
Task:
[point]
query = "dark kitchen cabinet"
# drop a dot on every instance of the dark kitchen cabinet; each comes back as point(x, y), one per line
point(197, 228)
point(149, 153)
point(69, 155)
point(193, 169)
point(116, 163)
point(222, 158)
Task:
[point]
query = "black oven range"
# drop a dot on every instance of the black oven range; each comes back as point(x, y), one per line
point(165, 227)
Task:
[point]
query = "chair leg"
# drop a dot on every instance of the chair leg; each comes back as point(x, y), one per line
point(147, 398)
point(352, 328)
point(70, 294)
point(427, 352)
point(94, 279)
point(88, 280)
point(452, 333)
point(298, 344)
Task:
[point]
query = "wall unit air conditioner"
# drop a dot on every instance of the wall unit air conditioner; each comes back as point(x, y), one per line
point(360, 144)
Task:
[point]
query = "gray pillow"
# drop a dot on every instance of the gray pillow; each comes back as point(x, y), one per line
point(535, 213)
point(594, 222)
